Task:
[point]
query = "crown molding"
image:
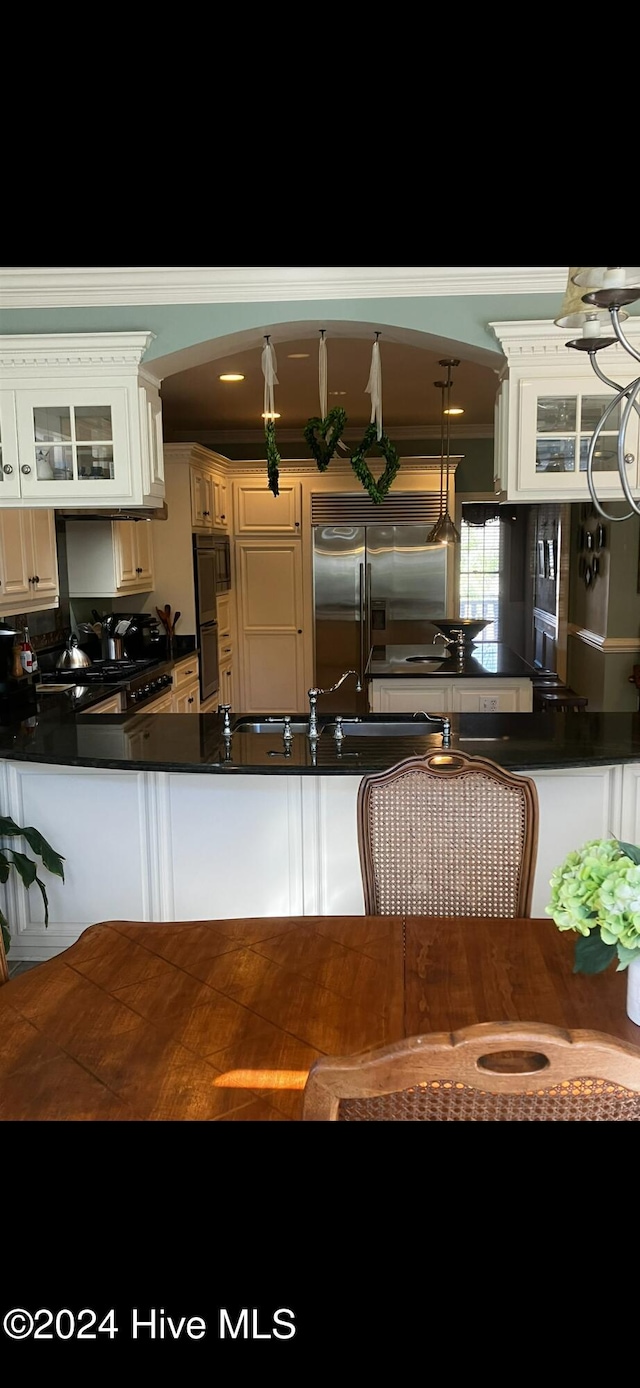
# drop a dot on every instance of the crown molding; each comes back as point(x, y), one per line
point(24, 351)
point(187, 453)
point(539, 338)
point(69, 286)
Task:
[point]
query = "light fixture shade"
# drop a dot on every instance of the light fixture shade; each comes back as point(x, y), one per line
point(444, 532)
point(574, 313)
point(606, 277)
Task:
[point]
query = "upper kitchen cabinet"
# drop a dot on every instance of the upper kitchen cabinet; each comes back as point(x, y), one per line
point(109, 558)
point(208, 497)
point(259, 512)
point(548, 405)
point(28, 561)
point(80, 422)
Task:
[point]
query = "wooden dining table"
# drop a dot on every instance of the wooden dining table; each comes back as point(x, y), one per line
point(220, 1020)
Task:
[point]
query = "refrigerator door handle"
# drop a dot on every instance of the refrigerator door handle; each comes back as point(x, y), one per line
point(367, 612)
point(362, 619)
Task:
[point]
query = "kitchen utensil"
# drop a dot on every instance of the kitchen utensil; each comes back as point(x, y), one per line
point(163, 618)
point(96, 615)
point(174, 622)
point(73, 658)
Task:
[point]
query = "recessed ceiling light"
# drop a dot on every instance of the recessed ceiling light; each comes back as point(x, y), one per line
point(337, 392)
point(298, 356)
point(231, 376)
point(267, 415)
point(454, 411)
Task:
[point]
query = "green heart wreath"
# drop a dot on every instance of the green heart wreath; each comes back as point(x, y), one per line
point(273, 458)
point(323, 447)
point(377, 490)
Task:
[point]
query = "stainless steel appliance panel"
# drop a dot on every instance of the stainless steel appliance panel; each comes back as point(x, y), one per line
point(204, 564)
point(375, 585)
point(406, 585)
point(339, 560)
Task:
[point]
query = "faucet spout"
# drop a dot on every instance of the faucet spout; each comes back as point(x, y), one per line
point(437, 718)
point(314, 694)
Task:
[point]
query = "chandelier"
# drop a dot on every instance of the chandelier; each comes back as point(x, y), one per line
point(444, 531)
point(593, 294)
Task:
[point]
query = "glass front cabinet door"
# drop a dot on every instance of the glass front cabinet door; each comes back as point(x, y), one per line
point(556, 426)
point(82, 424)
point(549, 402)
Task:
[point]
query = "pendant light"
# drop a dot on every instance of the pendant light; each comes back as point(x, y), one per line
point(444, 531)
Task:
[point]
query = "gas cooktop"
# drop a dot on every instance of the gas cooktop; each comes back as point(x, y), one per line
point(101, 672)
point(140, 680)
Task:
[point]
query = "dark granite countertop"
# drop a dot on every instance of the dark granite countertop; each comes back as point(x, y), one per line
point(485, 660)
point(194, 742)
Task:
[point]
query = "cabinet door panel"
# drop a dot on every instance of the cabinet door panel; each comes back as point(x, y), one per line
point(144, 553)
point(404, 697)
point(124, 539)
point(44, 552)
point(271, 673)
point(259, 512)
point(270, 586)
point(9, 462)
point(89, 430)
point(15, 556)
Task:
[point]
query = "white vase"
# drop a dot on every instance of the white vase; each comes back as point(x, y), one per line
point(633, 991)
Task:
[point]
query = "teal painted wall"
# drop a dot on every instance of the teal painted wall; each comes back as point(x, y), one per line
point(178, 326)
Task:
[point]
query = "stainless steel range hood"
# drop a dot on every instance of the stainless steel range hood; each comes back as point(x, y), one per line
point(122, 513)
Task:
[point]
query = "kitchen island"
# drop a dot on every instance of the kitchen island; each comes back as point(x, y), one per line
point(487, 677)
point(159, 817)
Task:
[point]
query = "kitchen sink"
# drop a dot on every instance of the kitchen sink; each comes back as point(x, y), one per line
point(414, 728)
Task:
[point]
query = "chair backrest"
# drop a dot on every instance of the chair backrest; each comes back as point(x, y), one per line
point(492, 1073)
point(447, 835)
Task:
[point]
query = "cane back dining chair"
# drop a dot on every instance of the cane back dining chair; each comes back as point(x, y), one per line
point(520, 1072)
point(447, 835)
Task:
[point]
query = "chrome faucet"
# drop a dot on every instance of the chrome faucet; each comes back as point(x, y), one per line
point(440, 636)
point(314, 695)
point(437, 718)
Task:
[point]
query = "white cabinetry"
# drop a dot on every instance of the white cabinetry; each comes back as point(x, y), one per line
point(80, 422)
point(452, 696)
point(185, 695)
point(208, 499)
point(259, 512)
point(109, 558)
point(28, 560)
point(269, 578)
point(546, 411)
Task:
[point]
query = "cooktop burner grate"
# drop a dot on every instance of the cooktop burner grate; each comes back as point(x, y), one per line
point(101, 672)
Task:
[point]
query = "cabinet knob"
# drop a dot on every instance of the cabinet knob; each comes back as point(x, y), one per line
point(297, 525)
point(36, 578)
point(299, 631)
point(629, 459)
point(189, 701)
point(223, 518)
point(25, 468)
point(8, 469)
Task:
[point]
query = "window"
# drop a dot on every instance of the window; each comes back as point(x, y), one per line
point(480, 574)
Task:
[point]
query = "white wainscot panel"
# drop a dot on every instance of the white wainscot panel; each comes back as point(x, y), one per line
point(577, 805)
point(339, 877)
point(236, 847)
point(630, 819)
point(98, 822)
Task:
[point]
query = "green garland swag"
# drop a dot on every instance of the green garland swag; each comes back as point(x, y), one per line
point(377, 490)
point(323, 448)
point(273, 458)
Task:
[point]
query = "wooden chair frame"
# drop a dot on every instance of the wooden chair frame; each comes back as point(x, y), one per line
point(455, 1060)
point(449, 766)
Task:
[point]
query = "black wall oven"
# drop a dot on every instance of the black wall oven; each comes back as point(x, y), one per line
point(212, 573)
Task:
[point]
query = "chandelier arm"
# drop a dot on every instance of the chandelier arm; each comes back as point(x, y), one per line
point(623, 390)
point(590, 456)
point(624, 421)
point(624, 341)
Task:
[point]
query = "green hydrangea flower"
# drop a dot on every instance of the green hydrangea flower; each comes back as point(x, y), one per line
point(597, 889)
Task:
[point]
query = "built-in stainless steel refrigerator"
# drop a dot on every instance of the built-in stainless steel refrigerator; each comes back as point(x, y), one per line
point(374, 585)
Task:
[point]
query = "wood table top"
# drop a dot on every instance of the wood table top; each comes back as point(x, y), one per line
point(220, 1020)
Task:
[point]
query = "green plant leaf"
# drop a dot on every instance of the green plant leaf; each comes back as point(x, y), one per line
point(45, 899)
point(25, 867)
point(6, 937)
point(4, 867)
point(591, 955)
point(51, 860)
point(631, 850)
